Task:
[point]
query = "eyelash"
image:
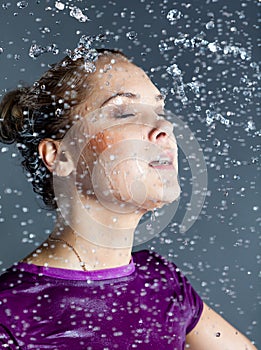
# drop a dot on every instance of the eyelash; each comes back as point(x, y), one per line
point(133, 115)
point(125, 115)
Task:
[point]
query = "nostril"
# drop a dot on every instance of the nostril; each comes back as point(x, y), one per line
point(157, 134)
point(160, 134)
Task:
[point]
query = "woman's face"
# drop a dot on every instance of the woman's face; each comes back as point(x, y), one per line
point(131, 155)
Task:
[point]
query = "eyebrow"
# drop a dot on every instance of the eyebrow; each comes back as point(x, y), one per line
point(130, 95)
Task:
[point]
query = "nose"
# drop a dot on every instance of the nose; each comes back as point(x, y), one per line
point(162, 131)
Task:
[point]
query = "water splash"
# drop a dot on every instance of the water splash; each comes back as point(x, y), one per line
point(37, 50)
point(212, 115)
point(85, 50)
point(179, 86)
point(76, 13)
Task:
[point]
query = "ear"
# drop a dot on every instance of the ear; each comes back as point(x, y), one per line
point(55, 161)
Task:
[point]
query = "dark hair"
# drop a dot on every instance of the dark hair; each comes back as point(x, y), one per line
point(44, 110)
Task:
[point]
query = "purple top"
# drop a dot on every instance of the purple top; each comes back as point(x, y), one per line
point(147, 304)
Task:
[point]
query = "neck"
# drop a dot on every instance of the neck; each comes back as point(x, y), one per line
point(101, 238)
point(94, 255)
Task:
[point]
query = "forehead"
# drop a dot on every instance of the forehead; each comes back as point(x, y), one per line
point(115, 75)
point(116, 71)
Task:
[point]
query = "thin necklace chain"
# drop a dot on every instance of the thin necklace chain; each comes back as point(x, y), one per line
point(82, 263)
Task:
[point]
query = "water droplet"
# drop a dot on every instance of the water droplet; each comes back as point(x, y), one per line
point(216, 143)
point(22, 4)
point(1, 50)
point(163, 46)
point(44, 30)
point(89, 67)
point(194, 86)
point(218, 334)
point(250, 125)
point(210, 25)
point(174, 15)
point(131, 35)
point(174, 70)
point(76, 13)
point(58, 112)
point(213, 47)
point(148, 227)
point(59, 5)
point(6, 5)
point(153, 216)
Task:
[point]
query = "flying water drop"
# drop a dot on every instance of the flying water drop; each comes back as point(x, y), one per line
point(131, 35)
point(174, 15)
point(76, 13)
point(59, 5)
point(22, 4)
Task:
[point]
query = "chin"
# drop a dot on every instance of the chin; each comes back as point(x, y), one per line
point(154, 203)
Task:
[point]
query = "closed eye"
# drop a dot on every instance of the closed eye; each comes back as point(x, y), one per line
point(125, 115)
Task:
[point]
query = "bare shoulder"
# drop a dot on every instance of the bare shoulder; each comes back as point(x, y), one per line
point(214, 332)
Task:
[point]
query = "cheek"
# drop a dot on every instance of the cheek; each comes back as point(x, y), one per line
point(103, 140)
point(99, 143)
point(128, 180)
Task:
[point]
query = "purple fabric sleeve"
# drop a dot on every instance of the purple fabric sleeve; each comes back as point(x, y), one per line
point(196, 304)
point(186, 294)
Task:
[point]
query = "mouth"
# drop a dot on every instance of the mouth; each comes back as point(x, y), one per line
point(164, 160)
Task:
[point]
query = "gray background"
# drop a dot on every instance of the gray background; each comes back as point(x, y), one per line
point(220, 253)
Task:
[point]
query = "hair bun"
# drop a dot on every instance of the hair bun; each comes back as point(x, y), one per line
point(11, 114)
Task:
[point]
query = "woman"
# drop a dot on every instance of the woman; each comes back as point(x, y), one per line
point(100, 152)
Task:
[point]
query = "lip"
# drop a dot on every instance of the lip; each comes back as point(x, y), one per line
point(166, 155)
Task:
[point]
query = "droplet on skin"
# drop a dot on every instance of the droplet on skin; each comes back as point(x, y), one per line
point(118, 101)
point(218, 334)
